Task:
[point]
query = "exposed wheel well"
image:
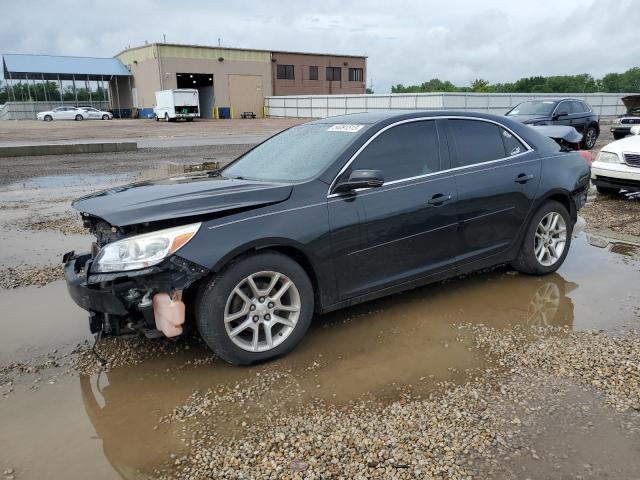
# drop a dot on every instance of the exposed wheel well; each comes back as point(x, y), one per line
point(566, 202)
point(596, 126)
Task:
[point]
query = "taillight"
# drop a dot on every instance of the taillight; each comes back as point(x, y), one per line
point(587, 156)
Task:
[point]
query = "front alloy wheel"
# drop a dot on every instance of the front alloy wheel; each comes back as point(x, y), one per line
point(262, 311)
point(550, 239)
point(256, 308)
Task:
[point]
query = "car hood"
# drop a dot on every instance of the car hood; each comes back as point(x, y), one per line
point(559, 132)
point(176, 197)
point(527, 118)
point(628, 144)
point(632, 103)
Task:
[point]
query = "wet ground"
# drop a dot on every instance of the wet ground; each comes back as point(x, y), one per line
point(461, 364)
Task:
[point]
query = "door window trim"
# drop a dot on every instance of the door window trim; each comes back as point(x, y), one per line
point(528, 149)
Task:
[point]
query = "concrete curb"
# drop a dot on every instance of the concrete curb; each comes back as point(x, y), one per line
point(66, 149)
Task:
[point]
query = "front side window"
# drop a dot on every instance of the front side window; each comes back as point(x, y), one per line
point(477, 141)
point(296, 154)
point(356, 74)
point(313, 73)
point(285, 72)
point(563, 107)
point(404, 151)
point(334, 74)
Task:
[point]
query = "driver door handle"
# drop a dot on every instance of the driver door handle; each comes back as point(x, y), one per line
point(524, 178)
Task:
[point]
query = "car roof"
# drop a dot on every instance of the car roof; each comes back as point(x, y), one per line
point(390, 116)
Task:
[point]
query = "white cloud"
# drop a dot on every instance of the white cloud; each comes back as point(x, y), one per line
point(407, 42)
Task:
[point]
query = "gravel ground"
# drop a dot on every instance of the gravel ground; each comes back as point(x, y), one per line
point(619, 214)
point(456, 432)
point(26, 276)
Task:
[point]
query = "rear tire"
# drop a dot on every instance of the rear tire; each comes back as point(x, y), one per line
point(79, 118)
point(590, 138)
point(166, 117)
point(607, 190)
point(546, 241)
point(259, 307)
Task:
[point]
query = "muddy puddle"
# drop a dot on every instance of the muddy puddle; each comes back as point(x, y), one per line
point(109, 425)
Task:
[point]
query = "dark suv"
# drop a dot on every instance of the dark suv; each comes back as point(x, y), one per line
point(322, 216)
point(564, 111)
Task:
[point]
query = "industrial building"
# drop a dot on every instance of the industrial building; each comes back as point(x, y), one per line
point(237, 80)
point(230, 81)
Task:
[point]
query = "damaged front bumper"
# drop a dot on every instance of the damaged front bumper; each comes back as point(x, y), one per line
point(123, 302)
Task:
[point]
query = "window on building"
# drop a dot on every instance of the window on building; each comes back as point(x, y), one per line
point(285, 72)
point(356, 74)
point(334, 74)
point(313, 73)
point(404, 151)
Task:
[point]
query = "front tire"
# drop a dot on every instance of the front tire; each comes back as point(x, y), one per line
point(257, 308)
point(546, 241)
point(79, 118)
point(48, 118)
point(166, 117)
point(105, 117)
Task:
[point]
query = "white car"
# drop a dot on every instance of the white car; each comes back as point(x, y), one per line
point(74, 113)
point(617, 166)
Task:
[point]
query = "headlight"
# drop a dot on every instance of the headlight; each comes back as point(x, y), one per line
point(144, 250)
point(607, 157)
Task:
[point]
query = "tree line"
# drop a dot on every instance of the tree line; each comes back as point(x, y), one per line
point(627, 82)
point(41, 91)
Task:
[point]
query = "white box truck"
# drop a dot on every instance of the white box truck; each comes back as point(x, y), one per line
point(178, 103)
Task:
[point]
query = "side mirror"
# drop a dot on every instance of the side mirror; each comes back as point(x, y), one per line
point(560, 114)
point(360, 179)
point(635, 130)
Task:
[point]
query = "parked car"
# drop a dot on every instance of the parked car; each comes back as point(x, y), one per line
point(321, 216)
point(622, 126)
point(61, 113)
point(564, 111)
point(617, 166)
point(95, 114)
point(567, 138)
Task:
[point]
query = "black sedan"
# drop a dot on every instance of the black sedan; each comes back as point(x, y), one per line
point(564, 111)
point(322, 216)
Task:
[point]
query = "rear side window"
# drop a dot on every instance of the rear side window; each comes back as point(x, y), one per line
point(577, 107)
point(407, 150)
point(477, 141)
point(512, 146)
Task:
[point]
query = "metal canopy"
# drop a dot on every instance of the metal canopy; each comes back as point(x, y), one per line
point(50, 67)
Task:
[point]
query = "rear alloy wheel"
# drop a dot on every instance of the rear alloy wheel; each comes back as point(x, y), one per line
point(547, 240)
point(258, 308)
point(79, 118)
point(590, 138)
point(48, 118)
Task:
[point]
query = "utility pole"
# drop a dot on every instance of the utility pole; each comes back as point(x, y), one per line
point(164, 38)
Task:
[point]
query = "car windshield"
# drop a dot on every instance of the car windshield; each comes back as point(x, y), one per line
point(537, 107)
point(296, 154)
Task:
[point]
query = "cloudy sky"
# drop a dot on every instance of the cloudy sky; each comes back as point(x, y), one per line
point(407, 41)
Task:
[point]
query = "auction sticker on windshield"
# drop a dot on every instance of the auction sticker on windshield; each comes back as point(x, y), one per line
point(345, 127)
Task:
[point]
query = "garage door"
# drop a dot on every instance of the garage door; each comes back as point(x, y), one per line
point(245, 94)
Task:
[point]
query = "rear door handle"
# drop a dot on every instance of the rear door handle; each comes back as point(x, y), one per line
point(439, 199)
point(524, 178)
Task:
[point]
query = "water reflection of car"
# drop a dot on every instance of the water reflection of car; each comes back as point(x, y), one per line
point(363, 350)
point(617, 166)
point(622, 126)
point(570, 112)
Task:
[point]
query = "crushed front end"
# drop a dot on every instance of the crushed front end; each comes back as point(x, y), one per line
point(147, 299)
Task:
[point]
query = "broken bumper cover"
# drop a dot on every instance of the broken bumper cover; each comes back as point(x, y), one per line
point(117, 301)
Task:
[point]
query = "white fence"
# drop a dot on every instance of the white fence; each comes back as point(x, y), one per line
point(320, 106)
